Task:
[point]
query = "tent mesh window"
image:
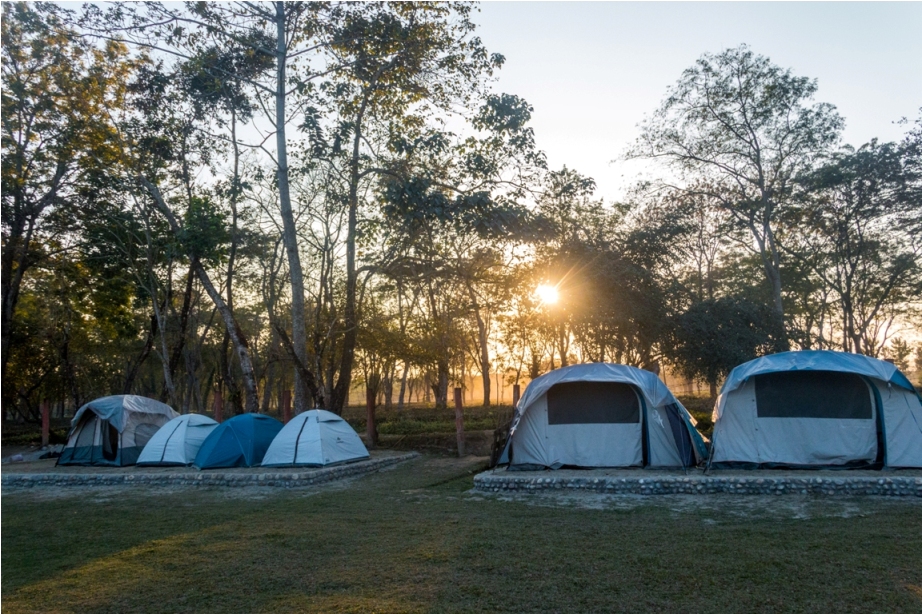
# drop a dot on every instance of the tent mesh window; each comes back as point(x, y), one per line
point(813, 394)
point(592, 403)
point(143, 433)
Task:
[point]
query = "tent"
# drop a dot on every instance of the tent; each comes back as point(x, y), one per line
point(242, 441)
point(601, 415)
point(315, 438)
point(113, 430)
point(178, 441)
point(817, 408)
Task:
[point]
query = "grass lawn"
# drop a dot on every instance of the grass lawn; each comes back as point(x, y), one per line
point(414, 539)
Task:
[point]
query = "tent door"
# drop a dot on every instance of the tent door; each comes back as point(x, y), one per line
point(109, 440)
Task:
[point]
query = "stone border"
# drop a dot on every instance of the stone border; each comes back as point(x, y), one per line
point(761, 484)
point(293, 478)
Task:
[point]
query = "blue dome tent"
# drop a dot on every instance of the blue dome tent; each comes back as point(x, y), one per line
point(242, 441)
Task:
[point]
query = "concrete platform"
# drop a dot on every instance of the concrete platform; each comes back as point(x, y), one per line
point(31, 475)
point(899, 483)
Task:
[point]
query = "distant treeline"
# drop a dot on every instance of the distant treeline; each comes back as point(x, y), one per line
point(331, 198)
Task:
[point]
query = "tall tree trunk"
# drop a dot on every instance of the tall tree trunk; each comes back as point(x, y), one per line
point(484, 346)
point(183, 324)
point(403, 385)
point(563, 346)
point(227, 374)
point(441, 386)
point(343, 384)
point(289, 230)
point(771, 260)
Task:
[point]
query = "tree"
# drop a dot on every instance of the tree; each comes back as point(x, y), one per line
point(740, 130)
point(852, 228)
point(285, 32)
point(400, 63)
point(899, 352)
point(715, 335)
point(56, 90)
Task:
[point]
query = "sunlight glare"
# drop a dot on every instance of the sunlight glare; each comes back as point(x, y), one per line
point(547, 294)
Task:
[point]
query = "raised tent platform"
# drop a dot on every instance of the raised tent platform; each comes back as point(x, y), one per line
point(24, 476)
point(646, 482)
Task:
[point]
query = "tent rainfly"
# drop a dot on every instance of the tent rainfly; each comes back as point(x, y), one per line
point(242, 441)
point(178, 441)
point(817, 408)
point(113, 430)
point(601, 415)
point(315, 438)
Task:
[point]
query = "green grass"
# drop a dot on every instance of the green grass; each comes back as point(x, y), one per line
point(413, 540)
point(419, 419)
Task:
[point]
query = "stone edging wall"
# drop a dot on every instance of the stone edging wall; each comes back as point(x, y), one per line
point(287, 479)
point(667, 485)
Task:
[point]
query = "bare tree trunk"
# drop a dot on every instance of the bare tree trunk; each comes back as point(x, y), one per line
point(441, 387)
point(484, 346)
point(403, 385)
point(183, 325)
point(343, 384)
point(289, 230)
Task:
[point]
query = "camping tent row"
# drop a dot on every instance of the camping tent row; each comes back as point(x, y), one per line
point(128, 429)
point(794, 409)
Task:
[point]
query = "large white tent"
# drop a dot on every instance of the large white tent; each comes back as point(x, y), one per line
point(315, 438)
point(601, 415)
point(817, 408)
point(178, 441)
point(113, 430)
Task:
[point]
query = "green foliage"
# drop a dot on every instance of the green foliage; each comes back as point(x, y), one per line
point(713, 336)
point(205, 230)
point(414, 206)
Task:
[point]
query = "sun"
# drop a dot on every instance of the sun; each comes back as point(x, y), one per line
point(547, 294)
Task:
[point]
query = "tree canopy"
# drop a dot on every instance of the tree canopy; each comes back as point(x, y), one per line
point(333, 199)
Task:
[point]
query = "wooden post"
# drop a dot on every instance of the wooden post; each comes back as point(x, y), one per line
point(286, 406)
point(218, 405)
point(459, 422)
point(516, 394)
point(46, 423)
point(371, 429)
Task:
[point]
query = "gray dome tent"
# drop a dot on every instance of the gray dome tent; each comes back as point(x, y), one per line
point(817, 408)
point(601, 415)
point(113, 430)
point(315, 438)
point(178, 441)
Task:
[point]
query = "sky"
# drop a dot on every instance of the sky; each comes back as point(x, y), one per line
point(594, 70)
